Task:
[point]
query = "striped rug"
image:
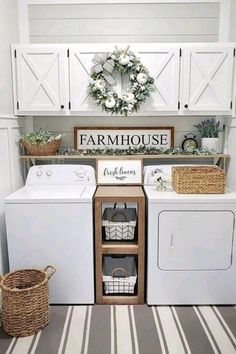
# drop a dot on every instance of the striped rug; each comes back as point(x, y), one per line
point(131, 330)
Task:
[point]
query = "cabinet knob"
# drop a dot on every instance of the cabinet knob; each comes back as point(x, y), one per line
point(62, 106)
point(186, 105)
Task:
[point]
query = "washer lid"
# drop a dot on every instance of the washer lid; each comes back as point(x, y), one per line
point(52, 194)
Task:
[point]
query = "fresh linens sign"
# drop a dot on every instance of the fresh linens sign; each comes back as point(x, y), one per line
point(119, 171)
point(123, 138)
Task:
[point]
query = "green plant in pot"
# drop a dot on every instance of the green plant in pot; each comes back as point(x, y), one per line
point(210, 130)
point(42, 142)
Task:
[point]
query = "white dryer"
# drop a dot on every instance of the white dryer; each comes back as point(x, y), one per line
point(191, 253)
point(50, 221)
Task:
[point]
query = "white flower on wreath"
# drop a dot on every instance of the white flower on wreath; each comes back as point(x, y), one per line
point(128, 97)
point(142, 78)
point(110, 102)
point(100, 84)
point(124, 59)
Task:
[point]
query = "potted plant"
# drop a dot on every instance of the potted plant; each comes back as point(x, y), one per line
point(209, 130)
point(41, 142)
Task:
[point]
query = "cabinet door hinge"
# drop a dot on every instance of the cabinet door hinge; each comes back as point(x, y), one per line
point(17, 105)
point(180, 52)
point(234, 52)
point(69, 105)
point(68, 53)
point(15, 53)
point(231, 105)
point(179, 105)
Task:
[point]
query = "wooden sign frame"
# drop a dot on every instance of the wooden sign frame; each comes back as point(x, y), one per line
point(139, 130)
point(120, 171)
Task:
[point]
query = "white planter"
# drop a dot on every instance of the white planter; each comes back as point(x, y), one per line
point(213, 144)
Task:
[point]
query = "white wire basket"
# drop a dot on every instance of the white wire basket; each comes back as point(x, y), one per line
point(119, 223)
point(119, 274)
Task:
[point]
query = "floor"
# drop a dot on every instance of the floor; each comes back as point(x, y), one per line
point(138, 329)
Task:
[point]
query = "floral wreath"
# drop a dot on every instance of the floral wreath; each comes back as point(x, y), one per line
point(126, 63)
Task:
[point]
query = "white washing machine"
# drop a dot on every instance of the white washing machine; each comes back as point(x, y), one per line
point(191, 253)
point(50, 221)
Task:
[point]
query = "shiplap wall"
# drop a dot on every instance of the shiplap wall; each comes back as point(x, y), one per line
point(189, 22)
point(127, 23)
point(11, 174)
point(67, 124)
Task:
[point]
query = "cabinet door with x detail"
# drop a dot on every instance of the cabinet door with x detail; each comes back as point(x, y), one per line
point(41, 79)
point(163, 65)
point(207, 78)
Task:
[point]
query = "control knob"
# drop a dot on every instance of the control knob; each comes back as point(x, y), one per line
point(80, 173)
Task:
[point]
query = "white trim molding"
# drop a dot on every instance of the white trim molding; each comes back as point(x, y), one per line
point(23, 17)
point(70, 2)
point(224, 25)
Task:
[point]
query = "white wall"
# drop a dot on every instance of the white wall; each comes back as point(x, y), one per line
point(231, 123)
point(232, 35)
point(10, 126)
point(8, 34)
point(67, 124)
point(10, 174)
point(127, 23)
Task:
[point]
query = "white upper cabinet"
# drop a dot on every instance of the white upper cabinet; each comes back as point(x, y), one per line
point(51, 79)
point(163, 65)
point(81, 57)
point(41, 83)
point(161, 61)
point(207, 74)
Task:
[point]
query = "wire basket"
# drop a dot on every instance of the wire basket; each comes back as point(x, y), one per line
point(198, 179)
point(46, 149)
point(119, 274)
point(25, 301)
point(119, 223)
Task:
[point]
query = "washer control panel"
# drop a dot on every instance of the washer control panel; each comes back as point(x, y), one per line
point(61, 175)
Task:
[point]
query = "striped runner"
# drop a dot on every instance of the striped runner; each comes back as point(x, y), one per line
point(131, 329)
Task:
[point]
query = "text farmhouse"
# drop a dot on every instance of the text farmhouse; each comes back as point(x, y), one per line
point(124, 139)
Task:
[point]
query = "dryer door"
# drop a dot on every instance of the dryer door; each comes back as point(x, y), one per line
point(195, 240)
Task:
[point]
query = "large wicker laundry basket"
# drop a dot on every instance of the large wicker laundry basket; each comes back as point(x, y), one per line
point(25, 301)
point(46, 149)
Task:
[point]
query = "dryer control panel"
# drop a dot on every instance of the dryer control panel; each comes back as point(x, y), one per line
point(61, 175)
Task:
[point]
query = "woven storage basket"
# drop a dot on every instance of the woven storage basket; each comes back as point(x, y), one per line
point(119, 274)
point(119, 223)
point(198, 179)
point(25, 301)
point(49, 148)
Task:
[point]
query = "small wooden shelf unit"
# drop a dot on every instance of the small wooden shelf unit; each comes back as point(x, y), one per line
point(120, 194)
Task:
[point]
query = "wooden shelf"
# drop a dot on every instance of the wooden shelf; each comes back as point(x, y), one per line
point(120, 194)
point(127, 157)
point(117, 299)
point(119, 248)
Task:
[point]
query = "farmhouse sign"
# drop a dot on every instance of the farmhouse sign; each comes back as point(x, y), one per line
point(119, 171)
point(123, 138)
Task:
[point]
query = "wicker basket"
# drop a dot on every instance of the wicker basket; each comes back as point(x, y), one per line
point(49, 148)
point(25, 301)
point(198, 180)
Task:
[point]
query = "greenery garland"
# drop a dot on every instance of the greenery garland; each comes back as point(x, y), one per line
point(142, 150)
point(126, 63)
